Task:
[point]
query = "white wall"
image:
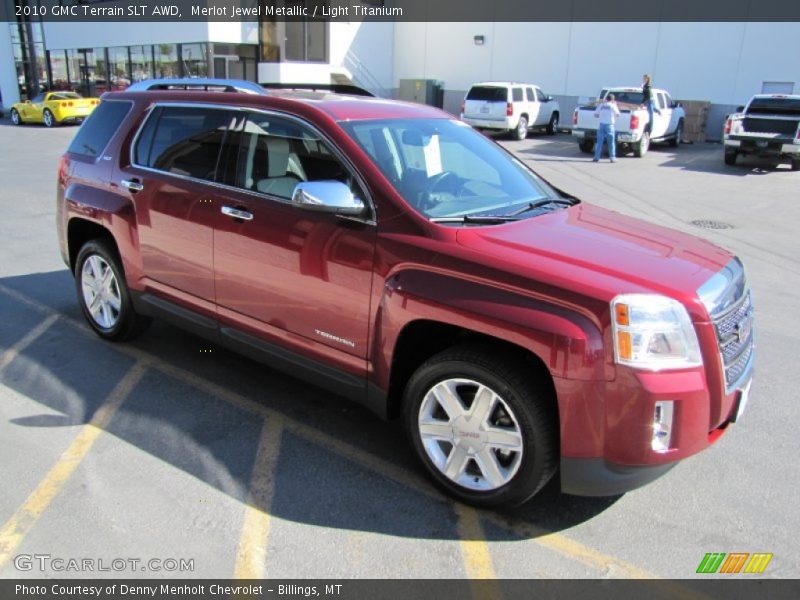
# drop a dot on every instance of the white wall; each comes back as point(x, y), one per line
point(8, 71)
point(62, 36)
point(724, 63)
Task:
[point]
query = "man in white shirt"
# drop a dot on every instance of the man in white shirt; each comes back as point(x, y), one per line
point(607, 112)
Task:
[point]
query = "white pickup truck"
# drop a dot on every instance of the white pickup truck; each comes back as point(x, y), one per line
point(511, 107)
point(768, 126)
point(633, 130)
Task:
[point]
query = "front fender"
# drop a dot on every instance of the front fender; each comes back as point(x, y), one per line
point(570, 344)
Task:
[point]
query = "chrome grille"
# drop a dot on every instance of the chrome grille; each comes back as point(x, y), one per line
point(735, 335)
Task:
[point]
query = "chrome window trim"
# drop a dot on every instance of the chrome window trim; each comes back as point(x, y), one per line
point(369, 220)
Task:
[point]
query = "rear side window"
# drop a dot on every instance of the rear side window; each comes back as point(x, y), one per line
point(183, 140)
point(94, 135)
point(488, 93)
point(529, 94)
point(516, 94)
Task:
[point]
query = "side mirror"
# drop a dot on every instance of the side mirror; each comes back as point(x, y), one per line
point(327, 196)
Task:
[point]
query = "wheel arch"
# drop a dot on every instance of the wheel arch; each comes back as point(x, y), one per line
point(80, 231)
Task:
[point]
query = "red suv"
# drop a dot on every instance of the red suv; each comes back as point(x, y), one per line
point(391, 254)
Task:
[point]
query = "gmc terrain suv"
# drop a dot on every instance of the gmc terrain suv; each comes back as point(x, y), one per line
point(392, 254)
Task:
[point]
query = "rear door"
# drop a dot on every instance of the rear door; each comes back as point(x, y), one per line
point(174, 164)
point(486, 103)
point(661, 122)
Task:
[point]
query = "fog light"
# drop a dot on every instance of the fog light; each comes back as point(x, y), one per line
point(662, 425)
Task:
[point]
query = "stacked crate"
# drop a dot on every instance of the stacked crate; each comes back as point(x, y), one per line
point(694, 124)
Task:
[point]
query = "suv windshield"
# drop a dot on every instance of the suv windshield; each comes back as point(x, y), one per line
point(444, 168)
point(488, 94)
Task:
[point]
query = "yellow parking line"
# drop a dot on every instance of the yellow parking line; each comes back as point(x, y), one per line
point(251, 556)
point(475, 554)
point(26, 340)
point(26, 516)
point(553, 541)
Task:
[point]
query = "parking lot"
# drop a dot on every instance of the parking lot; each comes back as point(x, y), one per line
point(176, 453)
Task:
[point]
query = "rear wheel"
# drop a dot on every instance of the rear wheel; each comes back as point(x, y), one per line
point(482, 425)
point(15, 118)
point(103, 294)
point(730, 157)
point(521, 131)
point(552, 126)
point(641, 148)
point(48, 118)
point(586, 146)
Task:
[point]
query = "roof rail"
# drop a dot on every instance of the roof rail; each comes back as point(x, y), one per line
point(336, 88)
point(208, 85)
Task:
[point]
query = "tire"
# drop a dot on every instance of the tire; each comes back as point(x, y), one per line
point(48, 118)
point(796, 164)
point(113, 317)
point(15, 118)
point(552, 126)
point(586, 146)
point(730, 157)
point(519, 416)
point(520, 132)
point(674, 141)
point(640, 149)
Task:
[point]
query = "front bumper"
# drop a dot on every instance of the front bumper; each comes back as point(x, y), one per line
point(597, 477)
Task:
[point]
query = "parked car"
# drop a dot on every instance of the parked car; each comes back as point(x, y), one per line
point(394, 255)
point(634, 131)
point(53, 108)
point(512, 107)
point(768, 126)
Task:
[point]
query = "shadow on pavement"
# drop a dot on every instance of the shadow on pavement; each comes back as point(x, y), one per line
point(71, 371)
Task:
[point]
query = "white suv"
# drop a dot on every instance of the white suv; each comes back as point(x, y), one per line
point(508, 106)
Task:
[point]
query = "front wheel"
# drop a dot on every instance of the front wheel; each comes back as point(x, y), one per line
point(521, 131)
point(48, 118)
point(552, 126)
point(640, 149)
point(15, 118)
point(103, 294)
point(483, 427)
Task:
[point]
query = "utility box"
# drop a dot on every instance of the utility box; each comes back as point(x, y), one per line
point(424, 91)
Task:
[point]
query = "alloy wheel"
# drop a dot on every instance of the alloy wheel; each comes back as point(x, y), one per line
point(101, 293)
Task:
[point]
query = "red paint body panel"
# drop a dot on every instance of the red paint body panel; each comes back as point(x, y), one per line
point(342, 293)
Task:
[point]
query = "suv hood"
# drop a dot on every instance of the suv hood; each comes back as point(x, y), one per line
point(645, 257)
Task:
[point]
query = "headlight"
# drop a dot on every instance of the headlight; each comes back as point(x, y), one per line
point(653, 332)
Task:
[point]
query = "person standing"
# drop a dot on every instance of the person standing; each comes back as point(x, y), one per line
point(647, 96)
point(607, 112)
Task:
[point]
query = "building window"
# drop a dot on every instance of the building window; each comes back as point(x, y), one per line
point(303, 41)
point(60, 70)
point(166, 60)
point(194, 58)
point(118, 67)
point(141, 63)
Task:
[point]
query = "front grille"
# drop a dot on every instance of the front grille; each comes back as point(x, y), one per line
point(735, 335)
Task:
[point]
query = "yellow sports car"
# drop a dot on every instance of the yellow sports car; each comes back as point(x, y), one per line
point(53, 108)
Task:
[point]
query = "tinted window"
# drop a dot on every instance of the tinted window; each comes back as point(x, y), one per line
point(629, 97)
point(96, 132)
point(540, 96)
point(516, 94)
point(529, 94)
point(275, 154)
point(488, 94)
point(775, 106)
point(661, 102)
point(183, 140)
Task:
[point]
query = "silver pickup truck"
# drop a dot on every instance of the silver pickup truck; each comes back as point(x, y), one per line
point(633, 130)
point(768, 126)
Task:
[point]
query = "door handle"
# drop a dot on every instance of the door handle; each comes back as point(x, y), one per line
point(133, 185)
point(237, 213)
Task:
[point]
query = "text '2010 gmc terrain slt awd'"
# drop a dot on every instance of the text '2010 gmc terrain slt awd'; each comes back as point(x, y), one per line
point(394, 255)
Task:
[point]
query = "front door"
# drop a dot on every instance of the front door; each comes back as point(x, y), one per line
point(175, 156)
point(282, 270)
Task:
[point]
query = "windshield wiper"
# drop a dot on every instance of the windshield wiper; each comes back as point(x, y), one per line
point(480, 219)
point(542, 202)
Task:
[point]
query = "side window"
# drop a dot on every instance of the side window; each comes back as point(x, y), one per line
point(275, 154)
point(661, 102)
point(540, 96)
point(529, 94)
point(516, 94)
point(94, 135)
point(183, 140)
point(670, 103)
